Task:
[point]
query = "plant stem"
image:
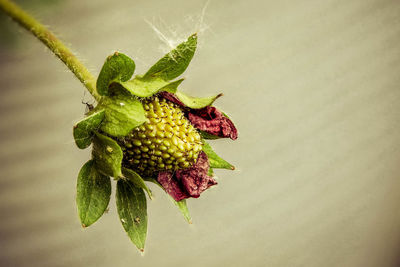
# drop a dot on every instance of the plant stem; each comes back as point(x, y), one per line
point(53, 43)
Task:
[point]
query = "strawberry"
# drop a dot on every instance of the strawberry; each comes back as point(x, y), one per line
point(166, 141)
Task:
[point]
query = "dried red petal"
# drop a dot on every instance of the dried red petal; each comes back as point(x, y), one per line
point(190, 182)
point(195, 179)
point(172, 186)
point(208, 119)
point(213, 121)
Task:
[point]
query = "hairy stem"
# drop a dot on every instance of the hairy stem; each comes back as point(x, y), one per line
point(53, 43)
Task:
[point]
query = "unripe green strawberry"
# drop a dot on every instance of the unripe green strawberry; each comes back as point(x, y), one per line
point(167, 141)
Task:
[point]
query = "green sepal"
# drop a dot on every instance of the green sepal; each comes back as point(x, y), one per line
point(172, 86)
point(210, 172)
point(132, 211)
point(83, 130)
point(208, 136)
point(93, 193)
point(215, 160)
point(137, 180)
point(145, 87)
point(196, 102)
point(182, 206)
point(175, 62)
point(122, 114)
point(107, 155)
point(117, 68)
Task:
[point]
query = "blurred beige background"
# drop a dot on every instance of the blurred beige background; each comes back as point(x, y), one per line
point(313, 87)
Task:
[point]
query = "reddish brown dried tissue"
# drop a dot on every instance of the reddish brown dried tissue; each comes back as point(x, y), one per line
point(190, 182)
point(212, 121)
point(208, 119)
point(172, 186)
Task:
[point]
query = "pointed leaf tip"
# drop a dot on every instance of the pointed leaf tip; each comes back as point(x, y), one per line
point(132, 211)
point(215, 160)
point(182, 206)
point(175, 62)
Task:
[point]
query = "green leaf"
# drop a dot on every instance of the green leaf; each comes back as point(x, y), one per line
point(175, 62)
point(210, 172)
point(117, 67)
point(122, 114)
point(83, 130)
point(196, 102)
point(182, 206)
point(93, 194)
point(145, 87)
point(172, 86)
point(107, 155)
point(137, 180)
point(214, 159)
point(132, 211)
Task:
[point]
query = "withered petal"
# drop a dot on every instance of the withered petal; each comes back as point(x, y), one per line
point(172, 186)
point(190, 182)
point(213, 121)
point(208, 119)
point(195, 179)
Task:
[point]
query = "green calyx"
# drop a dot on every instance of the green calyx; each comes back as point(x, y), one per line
point(166, 141)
